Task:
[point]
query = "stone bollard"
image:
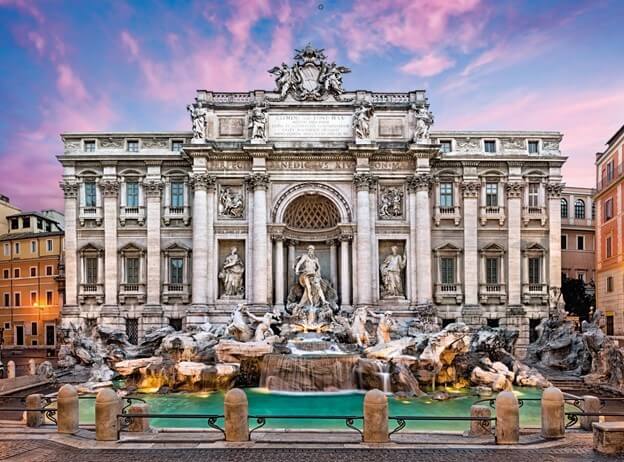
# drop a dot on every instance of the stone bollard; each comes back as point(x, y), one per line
point(553, 413)
point(479, 428)
point(592, 405)
point(107, 406)
point(236, 411)
point(376, 417)
point(67, 415)
point(34, 418)
point(137, 424)
point(32, 367)
point(11, 370)
point(507, 418)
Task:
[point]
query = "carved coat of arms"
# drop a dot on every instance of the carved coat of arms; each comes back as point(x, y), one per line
point(311, 77)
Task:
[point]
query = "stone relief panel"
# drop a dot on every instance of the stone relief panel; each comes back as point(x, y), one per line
point(111, 143)
point(231, 126)
point(72, 145)
point(514, 144)
point(155, 143)
point(231, 269)
point(390, 128)
point(231, 201)
point(468, 145)
point(391, 202)
point(393, 261)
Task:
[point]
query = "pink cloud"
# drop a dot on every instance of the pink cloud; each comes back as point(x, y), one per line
point(69, 84)
point(427, 65)
point(26, 6)
point(130, 43)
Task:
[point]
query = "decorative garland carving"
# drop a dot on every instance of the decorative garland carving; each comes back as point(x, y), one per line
point(202, 181)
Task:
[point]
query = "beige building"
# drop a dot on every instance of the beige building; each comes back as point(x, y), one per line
point(578, 233)
point(180, 227)
point(6, 209)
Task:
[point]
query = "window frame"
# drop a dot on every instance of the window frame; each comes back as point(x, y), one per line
point(444, 144)
point(564, 208)
point(564, 238)
point(446, 194)
point(580, 238)
point(176, 274)
point(579, 209)
point(490, 194)
point(177, 194)
point(90, 143)
point(133, 142)
point(535, 143)
point(534, 271)
point(490, 142)
point(444, 270)
point(90, 196)
point(533, 196)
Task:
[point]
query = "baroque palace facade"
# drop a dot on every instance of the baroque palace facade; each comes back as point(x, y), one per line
point(179, 228)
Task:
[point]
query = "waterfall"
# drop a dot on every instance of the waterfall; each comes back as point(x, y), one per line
point(384, 375)
point(308, 373)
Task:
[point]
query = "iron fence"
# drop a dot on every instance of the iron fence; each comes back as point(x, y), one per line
point(484, 422)
point(349, 420)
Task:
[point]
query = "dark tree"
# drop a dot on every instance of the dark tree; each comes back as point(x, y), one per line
point(578, 297)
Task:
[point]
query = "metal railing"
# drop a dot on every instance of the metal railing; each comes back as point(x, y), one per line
point(349, 420)
point(48, 412)
point(484, 422)
point(124, 419)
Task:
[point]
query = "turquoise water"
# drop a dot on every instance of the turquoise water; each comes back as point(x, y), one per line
point(326, 404)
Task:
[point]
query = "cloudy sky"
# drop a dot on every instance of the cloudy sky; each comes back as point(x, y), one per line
point(134, 65)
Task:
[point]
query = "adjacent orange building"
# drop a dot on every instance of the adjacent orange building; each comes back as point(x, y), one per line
point(609, 221)
point(31, 286)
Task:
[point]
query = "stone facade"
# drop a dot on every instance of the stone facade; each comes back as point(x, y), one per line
point(578, 234)
point(473, 218)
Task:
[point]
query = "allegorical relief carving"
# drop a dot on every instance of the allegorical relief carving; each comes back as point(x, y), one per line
point(468, 145)
point(257, 124)
point(513, 144)
point(231, 275)
point(155, 143)
point(111, 143)
point(391, 202)
point(198, 118)
point(310, 77)
point(72, 146)
point(361, 122)
point(392, 274)
point(231, 204)
point(550, 145)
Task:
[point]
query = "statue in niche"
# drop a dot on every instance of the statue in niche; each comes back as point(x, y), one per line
point(257, 123)
point(263, 329)
point(361, 121)
point(424, 119)
point(385, 327)
point(359, 333)
point(232, 275)
point(391, 203)
point(198, 118)
point(392, 274)
point(231, 203)
point(238, 327)
point(308, 269)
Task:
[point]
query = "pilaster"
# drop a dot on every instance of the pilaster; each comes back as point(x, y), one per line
point(421, 183)
point(514, 190)
point(201, 183)
point(259, 183)
point(470, 191)
point(153, 190)
point(110, 191)
point(553, 191)
point(363, 182)
point(70, 192)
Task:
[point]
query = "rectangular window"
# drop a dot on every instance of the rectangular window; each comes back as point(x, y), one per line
point(39, 223)
point(132, 330)
point(610, 170)
point(7, 249)
point(26, 222)
point(608, 208)
point(177, 194)
point(564, 242)
point(535, 275)
point(91, 264)
point(33, 246)
point(33, 272)
point(446, 145)
point(49, 270)
point(49, 297)
point(580, 275)
point(608, 247)
point(14, 223)
point(176, 145)
point(610, 284)
point(610, 324)
point(19, 335)
point(89, 145)
point(491, 194)
point(580, 242)
point(17, 248)
point(132, 194)
point(6, 274)
point(16, 273)
point(33, 328)
point(176, 271)
point(533, 147)
point(446, 194)
point(90, 194)
point(17, 296)
point(49, 245)
point(489, 145)
point(133, 146)
point(7, 299)
point(132, 270)
point(33, 298)
point(534, 194)
point(491, 270)
point(447, 270)
point(50, 333)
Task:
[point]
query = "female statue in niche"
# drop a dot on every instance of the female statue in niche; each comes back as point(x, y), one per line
point(391, 274)
point(232, 274)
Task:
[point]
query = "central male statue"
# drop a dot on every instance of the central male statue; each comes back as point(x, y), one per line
point(308, 269)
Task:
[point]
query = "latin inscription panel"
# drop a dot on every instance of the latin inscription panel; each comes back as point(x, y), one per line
point(303, 126)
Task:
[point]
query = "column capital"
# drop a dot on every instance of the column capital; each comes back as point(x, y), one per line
point(70, 189)
point(554, 190)
point(152, 188)
point(278, 237)
point(291, 242)
point(420, 182)
point(110, 188)
point(202, 181)
point(345, 238)
point(258, 181)
point(330, 242)
point(471, 189)
point(364, 181)
point(514, 189)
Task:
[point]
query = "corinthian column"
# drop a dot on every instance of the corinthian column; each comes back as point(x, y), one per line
point(70, 190)
point(345, 273)
point(153, 189)
point(110, 191)
point(362, 183)
point(514, 250)
point(279, 270)
point(201, 182)
point(422, 184)
point(554, 233)
point(471, 253)
point(259, 183)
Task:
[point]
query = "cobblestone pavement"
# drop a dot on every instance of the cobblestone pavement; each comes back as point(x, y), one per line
point(45, 451)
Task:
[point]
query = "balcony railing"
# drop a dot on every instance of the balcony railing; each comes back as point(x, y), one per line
point(176, 213)
point(90, 213)
point(132, 213)
point(492, 292)
point(608, 180)
point(534, 213)
point(446, 291)
point(177, 291)
point(131, 290)
point(493, 212)
point(91, 290)
point(447, 213)
point(533, 291)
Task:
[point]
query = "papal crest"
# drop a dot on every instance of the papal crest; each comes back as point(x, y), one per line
point(311, 77)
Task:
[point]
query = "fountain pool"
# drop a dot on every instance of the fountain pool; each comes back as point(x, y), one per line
point(262, 401)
